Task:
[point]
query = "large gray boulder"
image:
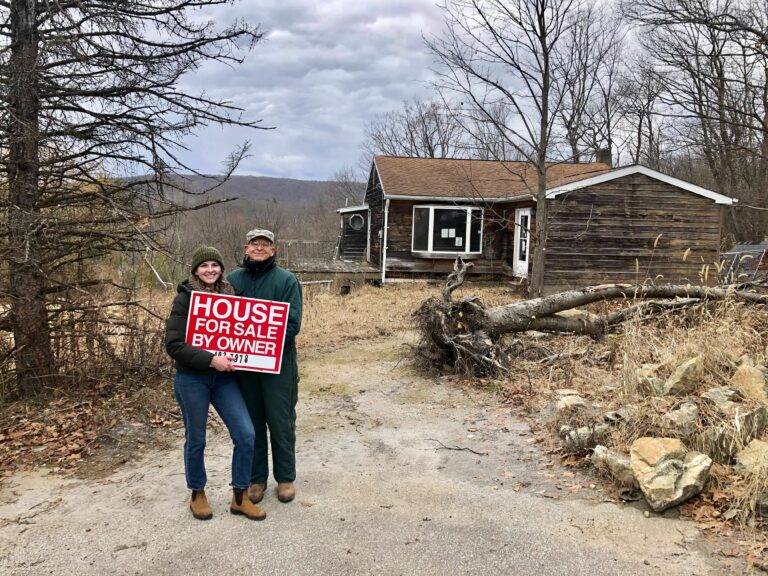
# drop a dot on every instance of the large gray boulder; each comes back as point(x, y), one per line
point(668, 474)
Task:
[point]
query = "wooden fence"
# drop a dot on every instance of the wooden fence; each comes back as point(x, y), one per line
point(292, 252)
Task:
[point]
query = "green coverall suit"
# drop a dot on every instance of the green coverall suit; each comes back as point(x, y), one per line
point(271, 398)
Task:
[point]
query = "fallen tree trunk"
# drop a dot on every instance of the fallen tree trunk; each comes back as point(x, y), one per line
point(465, 334)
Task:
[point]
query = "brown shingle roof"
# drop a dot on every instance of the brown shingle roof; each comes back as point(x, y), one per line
point(481, 179)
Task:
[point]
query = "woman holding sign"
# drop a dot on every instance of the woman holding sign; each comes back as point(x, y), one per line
point(203, 379)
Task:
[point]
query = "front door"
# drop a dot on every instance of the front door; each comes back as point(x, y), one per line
point(522, 242)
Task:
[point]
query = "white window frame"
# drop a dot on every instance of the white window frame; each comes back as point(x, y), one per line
point(520, 267)
point(431, 226)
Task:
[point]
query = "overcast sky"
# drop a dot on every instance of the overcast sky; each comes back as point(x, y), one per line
point(323, 69)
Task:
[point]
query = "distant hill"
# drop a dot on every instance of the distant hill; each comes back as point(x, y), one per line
point(259, 188)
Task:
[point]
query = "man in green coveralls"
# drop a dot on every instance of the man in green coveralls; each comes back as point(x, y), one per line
point(271, 398)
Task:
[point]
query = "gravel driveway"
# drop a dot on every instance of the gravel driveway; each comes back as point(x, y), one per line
point(397, 474)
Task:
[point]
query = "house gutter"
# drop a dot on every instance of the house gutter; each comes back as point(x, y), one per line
point(477, 199)
point(384, 242)
point(368, 237)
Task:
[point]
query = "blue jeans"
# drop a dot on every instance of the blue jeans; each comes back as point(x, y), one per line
point(195, 393)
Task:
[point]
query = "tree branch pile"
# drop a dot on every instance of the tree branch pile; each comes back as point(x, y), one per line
point(467, 337)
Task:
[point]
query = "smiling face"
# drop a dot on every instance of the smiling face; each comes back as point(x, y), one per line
point(259, 249)
point(208, 272)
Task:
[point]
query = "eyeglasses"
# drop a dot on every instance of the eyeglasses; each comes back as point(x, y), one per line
point(260, 243)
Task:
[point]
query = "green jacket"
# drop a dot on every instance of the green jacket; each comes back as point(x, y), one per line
point(186, 358)
point(275, 284)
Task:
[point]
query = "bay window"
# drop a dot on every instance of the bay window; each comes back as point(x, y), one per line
point(447, 229)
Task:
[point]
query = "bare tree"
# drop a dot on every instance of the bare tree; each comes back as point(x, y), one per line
point(496, 53)
point(640, 94)
point(91, 87)
point(345, 187)
point(715, 83)
point(584, 78)
point(604, 112)
point(419, 129)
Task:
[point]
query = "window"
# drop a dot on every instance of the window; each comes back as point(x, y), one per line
point(447, 229)
point(356, 222)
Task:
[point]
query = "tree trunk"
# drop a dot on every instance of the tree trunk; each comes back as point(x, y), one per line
point(35, 366)
point(468, 337)
point(540, 236)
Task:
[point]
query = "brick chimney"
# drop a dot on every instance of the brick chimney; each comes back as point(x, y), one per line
point(604, 156)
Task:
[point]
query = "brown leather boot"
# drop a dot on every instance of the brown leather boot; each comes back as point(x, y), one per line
point(256, 492)
point(199, 505)
point(285, 491)
point(241, 504)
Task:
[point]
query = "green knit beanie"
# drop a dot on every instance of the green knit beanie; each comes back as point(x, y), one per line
point(204, 254)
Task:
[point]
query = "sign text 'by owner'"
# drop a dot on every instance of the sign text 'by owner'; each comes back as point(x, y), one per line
point(251, 331)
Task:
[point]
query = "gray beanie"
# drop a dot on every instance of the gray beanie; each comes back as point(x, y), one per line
point(204, 254)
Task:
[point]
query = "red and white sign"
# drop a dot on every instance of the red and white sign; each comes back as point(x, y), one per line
point(248, 329)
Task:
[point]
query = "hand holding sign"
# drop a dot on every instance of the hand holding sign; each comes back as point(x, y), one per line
point(247, 333)
point(223, 363)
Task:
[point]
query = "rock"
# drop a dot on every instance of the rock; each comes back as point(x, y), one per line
point(750, 381)
point(723, 440)
point(753, 459)
point(683, 419)
point(563, 392)
point(648, 381)
point(626, 413)
point(571, 404)
point(615, 464)
point(584, 437)
point(685, 378)
point(725, 398)
point(667, 472)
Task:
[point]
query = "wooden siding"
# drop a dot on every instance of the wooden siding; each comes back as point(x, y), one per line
point(628, 230)
point(374, 197)
point(353, 242)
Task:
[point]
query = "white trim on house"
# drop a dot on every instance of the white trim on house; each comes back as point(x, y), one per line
point(638, 169)
point(384, 241)
point(520, 267)
point(352, 208)
point(368, 238)
point(430, 252)
point(378, 175)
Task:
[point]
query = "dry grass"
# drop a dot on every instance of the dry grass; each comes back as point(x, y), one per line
point(119, 377)
point(370, 312)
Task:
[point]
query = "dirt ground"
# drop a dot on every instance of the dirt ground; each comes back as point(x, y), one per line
point(387, 484)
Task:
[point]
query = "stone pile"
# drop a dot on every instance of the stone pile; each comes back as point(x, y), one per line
point(726, 422)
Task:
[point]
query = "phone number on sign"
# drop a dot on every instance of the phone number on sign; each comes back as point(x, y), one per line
point(238, 358)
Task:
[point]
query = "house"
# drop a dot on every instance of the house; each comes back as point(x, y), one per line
point(606, 224)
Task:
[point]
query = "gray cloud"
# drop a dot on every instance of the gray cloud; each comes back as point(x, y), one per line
point(323, 70)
